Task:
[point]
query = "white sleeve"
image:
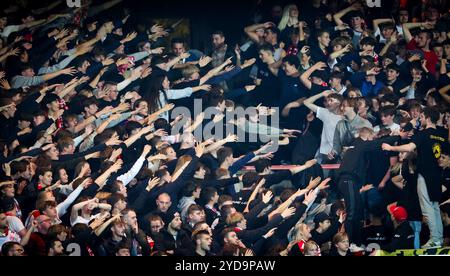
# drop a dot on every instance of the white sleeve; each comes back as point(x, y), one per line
point(322, 113)
point(175, 94)
point(61, 209)
point(10, 29)
point(15, 224)
point(127, 177)
point(121, 86)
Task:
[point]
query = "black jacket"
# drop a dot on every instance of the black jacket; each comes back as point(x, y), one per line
point(182, 245)
point(403, 238)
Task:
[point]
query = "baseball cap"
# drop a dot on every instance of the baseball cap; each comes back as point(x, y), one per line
point(398, 213)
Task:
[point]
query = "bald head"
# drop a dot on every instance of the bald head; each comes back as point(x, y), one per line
point(44, 223)
point(163, 202)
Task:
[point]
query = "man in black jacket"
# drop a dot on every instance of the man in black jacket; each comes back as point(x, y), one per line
point(174, 240)
point(403, 237)
point(352, 175)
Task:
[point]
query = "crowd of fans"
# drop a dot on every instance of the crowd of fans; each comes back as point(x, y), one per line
point(95, 164)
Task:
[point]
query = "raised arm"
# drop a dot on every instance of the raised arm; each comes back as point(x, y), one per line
point(305, 76)
point(378, 21)
point(408, 26)
point(309, 103)
point(251, 30)
point(338, 16)
point(403, 148)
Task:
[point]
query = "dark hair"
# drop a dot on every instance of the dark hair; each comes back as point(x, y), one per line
point(7, 246)
point(387, 111)
point(250, 178)
point(266, 47)
point(368, 41)
point(394, 67)
point(223, 153)
point(321, 32)
point(218, 32)
point(292, 60)
point(207, 194)
point(193, 208)
point(190, 188)
point(177, 40)
point(261, 165)
point(432, 113)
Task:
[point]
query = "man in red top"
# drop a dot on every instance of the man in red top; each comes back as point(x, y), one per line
point(422, 43)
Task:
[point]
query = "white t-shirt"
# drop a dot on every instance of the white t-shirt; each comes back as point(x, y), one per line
point(82, 220)
point(394, 128)
point(9, 29)
point(330, 121)
point(10, 236)
point(15, 224)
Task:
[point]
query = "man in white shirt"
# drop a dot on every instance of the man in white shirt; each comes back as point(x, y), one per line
point(387, 114)
point(330, 116)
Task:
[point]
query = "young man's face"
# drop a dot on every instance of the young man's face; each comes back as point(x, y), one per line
point(387, 119)
point(156, 226)
point(324, 39)
point(439, 51)
point(176, 222)
point(387, 33)
point(232, 238)
point(335, 82)
point(58, 248)
point(29, 73)
point(423, 120)
point(269, 36)
point(47, 178)
point(195, 217)
point(422, 40)
point(166, 83)
point(444, 161)
point(392, 75)
point(8, 190)
point(113, 92)
point(325, 224)
point(242, 224)
point(91, 109)
point(288, 68)
point(332, 103)
point(11, 111)
point(204, 241)
point(16, 251)
point(265, 56)
point(356, 22)
point(178, 48)
point(343, 245)
point(118, 229)
point(367, 47)
point(51, 212)
point(218, 40)
point(403, 16)
point(414, 113)
point(53, 106)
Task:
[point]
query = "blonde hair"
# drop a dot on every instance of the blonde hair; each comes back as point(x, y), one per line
point(339, 237)
point(295, 234)
point(189, 70)
point(285, 18)
point(234, 218)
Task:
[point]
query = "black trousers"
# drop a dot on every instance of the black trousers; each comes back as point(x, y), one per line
point(349, 189)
